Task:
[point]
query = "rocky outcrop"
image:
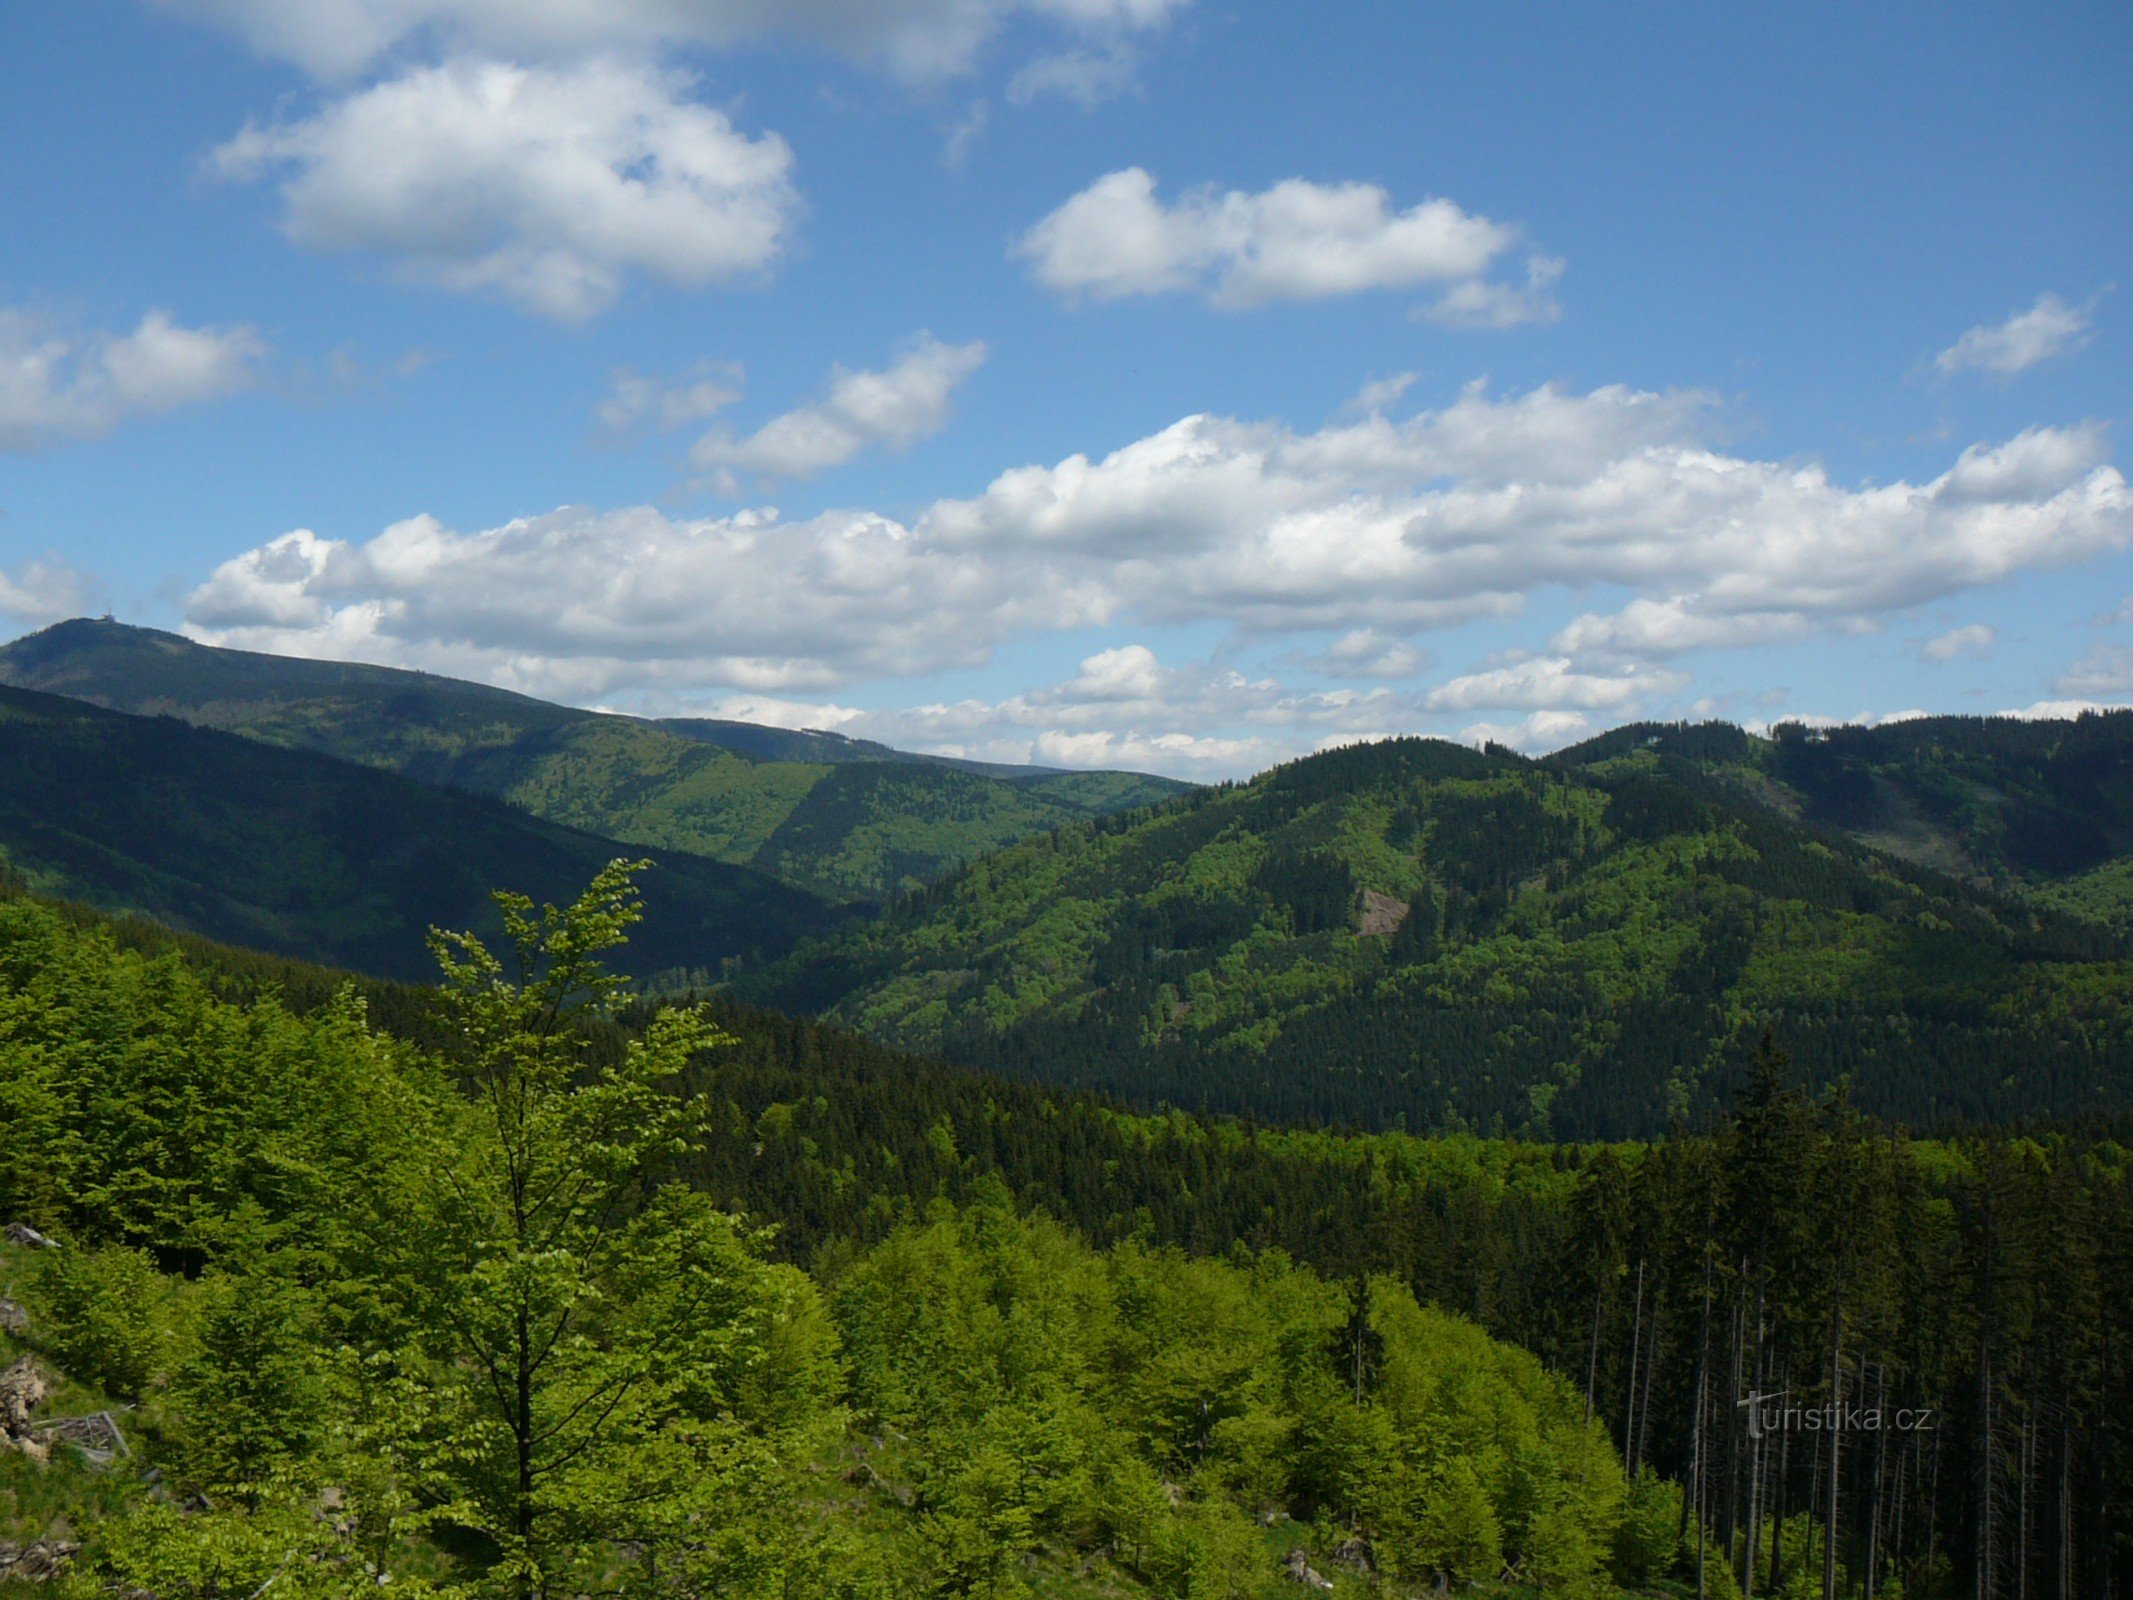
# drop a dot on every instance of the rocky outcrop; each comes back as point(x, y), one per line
point(1297, 1568)
point(35, 1562)
point(23, 1234)
point(22, 1391)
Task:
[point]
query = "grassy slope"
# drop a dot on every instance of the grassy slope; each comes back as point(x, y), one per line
point(302, 855)
point(1581, 952)
point(885, 822)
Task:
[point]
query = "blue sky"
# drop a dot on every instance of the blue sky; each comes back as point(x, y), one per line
point(1162, 383)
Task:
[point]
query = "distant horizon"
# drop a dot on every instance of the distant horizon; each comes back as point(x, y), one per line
point(1757, 729)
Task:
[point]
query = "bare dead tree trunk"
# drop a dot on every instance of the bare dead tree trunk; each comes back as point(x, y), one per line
point(1636, 1342)
point(1836, 1447)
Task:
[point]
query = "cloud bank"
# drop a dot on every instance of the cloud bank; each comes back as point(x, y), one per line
point(1377, 529)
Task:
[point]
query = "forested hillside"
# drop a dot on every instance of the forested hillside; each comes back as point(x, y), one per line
point(2038, 807)
point(331, 1313)
point(276, 1248)
point(299, 854)
point(841, 818)
point(1415, 932)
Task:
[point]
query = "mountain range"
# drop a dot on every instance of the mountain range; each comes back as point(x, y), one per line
point(1409, 933)
point(301, 855)
point(843, 819)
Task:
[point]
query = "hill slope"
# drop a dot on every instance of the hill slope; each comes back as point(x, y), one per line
point(302, 855)
point(841, 817)
point(1417, 932)
point(2040, 808)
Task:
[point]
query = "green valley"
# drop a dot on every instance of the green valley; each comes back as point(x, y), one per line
point(841, 818)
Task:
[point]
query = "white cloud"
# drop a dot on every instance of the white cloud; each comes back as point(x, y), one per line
point(1974, 640)
point(1369, 526)
point(894, 408)
point(1649, 627)
point(2056, 710)
point(39, 592)
point(920, 41)
point(1295, 241)
point(1536, 733)
point(1478, 303)
point(549, 186)
point(1380, 394)
point(633, 398)
point(1123, 707)
point(1552, 683)
point(579, 603)
point(58, 385)
point(2049, 328)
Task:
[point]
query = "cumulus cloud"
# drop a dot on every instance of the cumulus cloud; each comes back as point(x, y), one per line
point(1552, 683)
point(57, 385)
point(38, 592)
point(1974, 640)
point(894, 408)
point(920, 41)
point(1295, 241)
point(1366, 526)
point(2049, 328)
point(548, 186)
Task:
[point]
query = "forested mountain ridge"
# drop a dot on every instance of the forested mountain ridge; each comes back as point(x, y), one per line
point(304, 855)
point(843, 818)
point(1416, 932)
point(2040, 807)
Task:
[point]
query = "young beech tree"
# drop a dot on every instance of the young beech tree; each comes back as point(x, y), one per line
point(598, 1341)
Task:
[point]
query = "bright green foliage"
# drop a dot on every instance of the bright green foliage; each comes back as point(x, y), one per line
point(1648, 1542)
point(109, 1317)
point(592, 1339)
point(1454, 939)
point(1166, 1403)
